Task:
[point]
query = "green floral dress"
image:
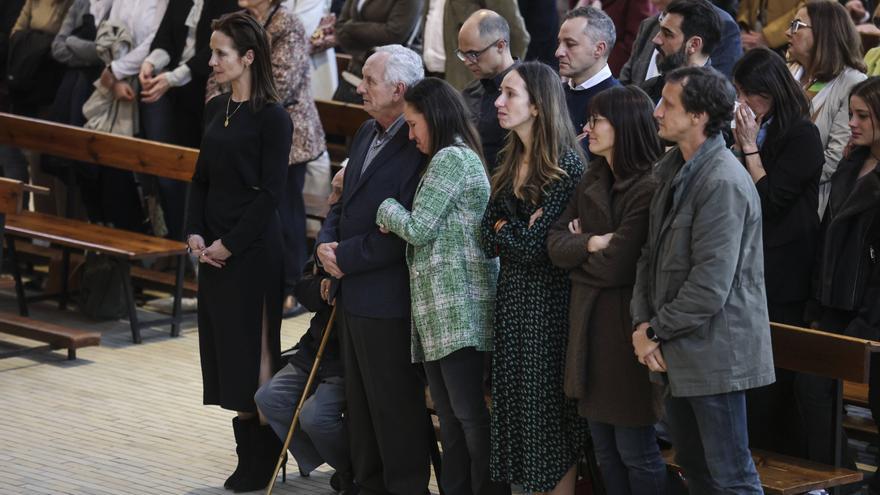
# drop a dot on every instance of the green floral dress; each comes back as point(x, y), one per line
point(537, 434)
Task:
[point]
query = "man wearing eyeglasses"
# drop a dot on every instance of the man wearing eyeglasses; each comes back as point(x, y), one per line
point(443, 21)
point(484, 49)
point(586, 38)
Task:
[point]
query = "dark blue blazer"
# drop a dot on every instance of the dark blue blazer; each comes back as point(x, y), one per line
point(376, 280)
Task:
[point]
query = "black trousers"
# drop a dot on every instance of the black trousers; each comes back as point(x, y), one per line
point(386, 406)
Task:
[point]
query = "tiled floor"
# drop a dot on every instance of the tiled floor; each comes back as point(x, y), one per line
point(121, 419)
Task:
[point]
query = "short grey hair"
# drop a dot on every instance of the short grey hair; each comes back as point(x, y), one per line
point(599, 27)
point(402, 65)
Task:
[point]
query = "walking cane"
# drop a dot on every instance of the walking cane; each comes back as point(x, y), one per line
point(302, 400)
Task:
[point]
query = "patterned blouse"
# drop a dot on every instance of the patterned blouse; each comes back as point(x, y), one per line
point(292, 71)
point(452, 282)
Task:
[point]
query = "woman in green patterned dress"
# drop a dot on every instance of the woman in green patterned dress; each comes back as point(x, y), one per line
point(452, 283)
point(537, 435)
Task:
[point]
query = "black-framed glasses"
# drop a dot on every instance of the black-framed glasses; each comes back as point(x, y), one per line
point(593, 120)
point(797, 24)
point(473, 55)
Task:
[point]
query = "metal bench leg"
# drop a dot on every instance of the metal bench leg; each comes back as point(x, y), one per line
point(178, 294)
point(71, 353)
point(16, 274)
point(838, 443)
point(132, 309)
point(65, 275)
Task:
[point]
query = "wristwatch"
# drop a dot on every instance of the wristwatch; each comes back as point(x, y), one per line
point(651, 334)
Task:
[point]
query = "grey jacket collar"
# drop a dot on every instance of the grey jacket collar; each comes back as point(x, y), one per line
point(685, 173)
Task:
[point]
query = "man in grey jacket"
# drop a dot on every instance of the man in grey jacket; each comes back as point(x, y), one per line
point(699, 305)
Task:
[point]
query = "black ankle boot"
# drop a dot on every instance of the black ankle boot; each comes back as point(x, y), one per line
point(266, 450)
point(243, 433)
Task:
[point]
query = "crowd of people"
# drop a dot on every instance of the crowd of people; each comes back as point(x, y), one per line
point(578, 254)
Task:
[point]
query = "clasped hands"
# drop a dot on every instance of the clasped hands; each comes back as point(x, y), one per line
point(327, 257)
point(647, 350)
point(215, 255)
point(153, 86)
point(121, 90)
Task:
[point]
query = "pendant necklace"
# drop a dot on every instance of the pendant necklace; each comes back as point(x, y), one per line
point(228, 115)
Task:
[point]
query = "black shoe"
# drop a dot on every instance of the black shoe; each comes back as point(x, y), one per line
point(266, 450)
point(343, 483)
point(242, 430)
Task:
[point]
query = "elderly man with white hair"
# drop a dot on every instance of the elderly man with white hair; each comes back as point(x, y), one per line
point(384, 393)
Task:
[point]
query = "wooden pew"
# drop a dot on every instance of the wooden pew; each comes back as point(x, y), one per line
point(858, 426)
point(341, 121)
point(56, 336)
point(824, 354)
point(136, 155)
point(342, 61)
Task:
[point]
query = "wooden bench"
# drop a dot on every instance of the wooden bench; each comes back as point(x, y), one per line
point(136, 155)
point(341, 120)
point(858, 426)
point(784, 475)
point(819, 353)
point(56, 336)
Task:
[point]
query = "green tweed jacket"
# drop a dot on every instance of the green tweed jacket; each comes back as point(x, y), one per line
point(452, 283)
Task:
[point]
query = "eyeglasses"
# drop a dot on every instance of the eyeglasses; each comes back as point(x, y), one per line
point(797, 24)
point(473, 55)
point(593, 120)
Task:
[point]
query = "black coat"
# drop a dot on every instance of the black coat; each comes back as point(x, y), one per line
point(789, 202)
point(849, 277)
point(376, 281)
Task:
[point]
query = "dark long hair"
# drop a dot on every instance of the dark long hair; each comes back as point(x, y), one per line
point(836, 43)
point(552, 136)
point(763, 72)
point(447, 116)
point(630, 112)
point(247, 34)
point(869, 91)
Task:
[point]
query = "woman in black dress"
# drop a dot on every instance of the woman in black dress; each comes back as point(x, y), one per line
point(234, 229)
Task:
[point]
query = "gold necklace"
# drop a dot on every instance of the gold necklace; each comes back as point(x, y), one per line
point(228, 115)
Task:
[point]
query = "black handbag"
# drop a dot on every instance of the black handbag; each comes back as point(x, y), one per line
point(101, 288)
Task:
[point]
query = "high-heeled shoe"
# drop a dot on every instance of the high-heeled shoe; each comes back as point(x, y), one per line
point(266, 449)
point(242, 429)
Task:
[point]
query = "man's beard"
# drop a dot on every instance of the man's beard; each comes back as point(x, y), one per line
point(668, 63)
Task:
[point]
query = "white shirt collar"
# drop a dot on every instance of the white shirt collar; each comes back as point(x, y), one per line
point(600, 76)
